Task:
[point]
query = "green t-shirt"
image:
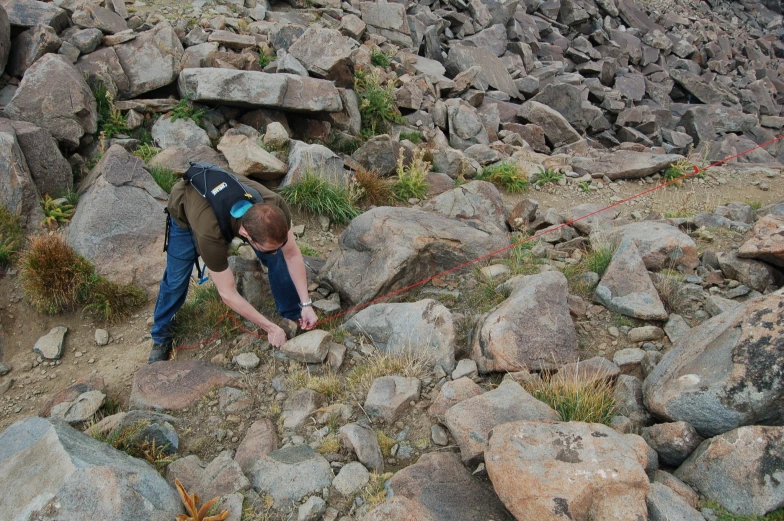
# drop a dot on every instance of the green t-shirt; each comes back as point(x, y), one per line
point(190, 210)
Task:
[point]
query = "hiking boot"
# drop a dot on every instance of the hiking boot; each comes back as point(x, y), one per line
point(159, 352)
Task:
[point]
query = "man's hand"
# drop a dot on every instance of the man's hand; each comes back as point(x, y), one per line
point(308, 318)
point(276, 336)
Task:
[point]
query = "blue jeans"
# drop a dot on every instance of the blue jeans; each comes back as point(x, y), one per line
point(180, 259)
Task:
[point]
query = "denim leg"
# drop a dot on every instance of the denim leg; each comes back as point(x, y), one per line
point(180, 259)
point(283, 290)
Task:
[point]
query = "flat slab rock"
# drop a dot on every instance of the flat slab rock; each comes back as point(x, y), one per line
point(177, 385)
point(624, 165)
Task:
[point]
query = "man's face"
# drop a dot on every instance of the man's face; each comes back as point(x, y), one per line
point(267, 247)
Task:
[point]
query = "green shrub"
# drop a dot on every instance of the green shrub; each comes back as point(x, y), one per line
point(319, 196)
point(600, 256)
point(165, 178)
point(146, 151)
point(414, 136)
point(200, 315)
point(343, 143)
point(376, 102)
point(111, 302)
point(506, 176)
point(265, 59)
point(11, 236)
point(722, 514)
point(585, 186)
point(185, 110)
point(381, 59)
point(411, 180)
point(545, 176)
point(575, 398)
point(56, 213)
point(110, 120)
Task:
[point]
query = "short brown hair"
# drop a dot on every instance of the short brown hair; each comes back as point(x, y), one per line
point(265, 223)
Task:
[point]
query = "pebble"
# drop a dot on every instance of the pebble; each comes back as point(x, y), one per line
point(78, 354)
point(439, 435)
point(101, 337)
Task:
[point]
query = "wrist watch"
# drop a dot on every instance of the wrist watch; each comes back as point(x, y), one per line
point(309, 302)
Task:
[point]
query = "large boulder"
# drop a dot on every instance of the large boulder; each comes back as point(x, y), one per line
point(57, 472)
point(477, 203)
point(102, 67)
point(178, 159)
point(119, 223)
point(184, 132)
point(556, 128)
point(259, 89)
point(5, 38)
point(624, 165)
point(492, 71)
point(767, 241)
point(291, 473)
point(465, 125)
point(322, 50)
point(660, 245)
point(177, 385)
point(472, 421)
point(381, 154)
point(316, 159)
point(50, 170)
point(39, 100)
point(31, 45)
point(389, 248)
point(28, 13)
point(18, 192)
point(742, 469)
point(626, 287)
point(532, 329)
point(151, 60)
point(754, 274)
point(726, 372)
point(552, 471)
point(424, 328)
point(446, 489)
point(247, 158)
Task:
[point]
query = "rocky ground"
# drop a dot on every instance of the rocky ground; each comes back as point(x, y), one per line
point(427, 406)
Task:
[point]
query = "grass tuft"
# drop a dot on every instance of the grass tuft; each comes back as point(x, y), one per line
point(381, 59)
point(409, 363)
point(374, 492)
point(506, 176)
point(546, 175)
point(111, 302)
point(56, 213)
point(146, 151)
point(321, 197)
point(375, 189)
point(265, 59)
point(575, 398)
point(413, 135)
point(199, 315)
point(123, 440)
point(600, 256)
point(11, 236)
point(722, 514)
point(185, 110)
point(165, 177)
point(377, 105)
point(330, 444)
point(411, 180)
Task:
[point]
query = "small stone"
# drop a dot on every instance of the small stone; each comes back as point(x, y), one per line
point(466, 367)
point(439, 435)
point(351, 478)
point(50, 346)
point(645, 334)
point(312, 509)
point(247, 361)
point(101, 337)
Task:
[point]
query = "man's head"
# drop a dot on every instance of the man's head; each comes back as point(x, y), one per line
point(265, 225)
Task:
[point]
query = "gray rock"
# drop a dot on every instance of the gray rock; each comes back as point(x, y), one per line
point(452, 393)
point(439, 435)
point(676, 327)
point(260, 439)
point(705, 92)
point(587, 217)
point(660, 245)
point(477, 203)
point(232, 87)
point(290, 474)
point(723, 374)
point(86, 40)
point(176, 385)
point(363, 442)
point(446, 489)
point(716, 305)
point(665, 505)
point(80, 410)
point(247, 361)
point(392, 239)
point(424, 327)
point(18, 192)
point(567, 100)
point(29, 46)
point(389, 20)
point(380, 154)
point(49, 169)
point(465, 367)
point(119, 229)
point(628, 397)
point(95, 17)
point(626, 287)
point(310, 347)
point(767, 241)
point(624, 165)
point(674, 442)
point(471, 421)
point(465, 125)
point(531, 329)
point(103, 66)
point(299, 406)
point(739, 469)
point(151, 60)
point(247, 158)
point(390, 396)
point(85, 478)
point(28, 13)
point(676, 485)
point(645, 334)
point(311, 509)
point(48, 80)
point(182, 132)
point(351, 478)
point(5, 39)
point(557, 129)
point(532, 467)
point(594, 369)
point(316, 159)
point(220, 477)
point(231, 40)
point(629, 361)
point(50, 346)
point(322, 50)
point(492, 71)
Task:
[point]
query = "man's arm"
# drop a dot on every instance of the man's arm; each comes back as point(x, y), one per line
point(296, 266)
point(224, 281)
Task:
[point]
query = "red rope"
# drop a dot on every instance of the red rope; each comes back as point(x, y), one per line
point(697, 171)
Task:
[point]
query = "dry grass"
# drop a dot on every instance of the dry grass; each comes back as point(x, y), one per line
point(385, 443)
point(329, 444)
point(575, 398)
point(375, 189)
point(409, 363)
point(670, 288)
point(54, 276)
point(374, 492)
point(331, 385)
point(199, 316)
point(11, 236)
